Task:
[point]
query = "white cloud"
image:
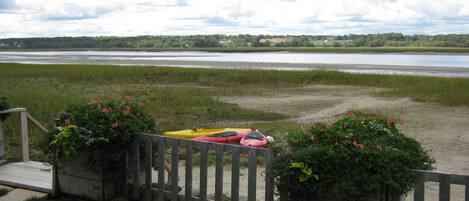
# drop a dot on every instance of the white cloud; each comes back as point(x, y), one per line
point(37, 18)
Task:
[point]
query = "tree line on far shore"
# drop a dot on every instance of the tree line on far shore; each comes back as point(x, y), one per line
point(243, 40)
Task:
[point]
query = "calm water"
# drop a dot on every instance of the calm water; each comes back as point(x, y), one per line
point(401, 63)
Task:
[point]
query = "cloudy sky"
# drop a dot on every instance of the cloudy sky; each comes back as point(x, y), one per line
point(45, 18)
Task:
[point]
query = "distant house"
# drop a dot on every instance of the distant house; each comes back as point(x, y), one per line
point(275, 41)
point(225, 42)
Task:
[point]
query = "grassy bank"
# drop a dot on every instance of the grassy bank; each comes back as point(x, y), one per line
point(447, 91)
point(273, 49)
point(182, 98)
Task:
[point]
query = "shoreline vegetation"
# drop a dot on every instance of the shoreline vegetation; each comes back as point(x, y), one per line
point(269, 49)
point(182, 98)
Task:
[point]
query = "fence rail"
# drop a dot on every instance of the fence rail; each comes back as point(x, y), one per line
point(140, 161)
point(444, 179)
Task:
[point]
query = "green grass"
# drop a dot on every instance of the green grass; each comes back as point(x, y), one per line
point(271, 49)
point(3, 191)
point(447, 91)
point(182, 98)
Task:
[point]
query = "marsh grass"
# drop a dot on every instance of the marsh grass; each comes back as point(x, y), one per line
point(182, 98)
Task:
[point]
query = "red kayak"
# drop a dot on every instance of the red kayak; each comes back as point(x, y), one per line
point(254, 139)
point(225, 137)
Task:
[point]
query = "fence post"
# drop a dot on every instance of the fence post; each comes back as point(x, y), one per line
point(419, 191)
point(2, 143)
point(24, 135)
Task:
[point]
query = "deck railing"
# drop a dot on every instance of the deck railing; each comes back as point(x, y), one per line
point(444, 179)
point(140, 168)
point(24, 116)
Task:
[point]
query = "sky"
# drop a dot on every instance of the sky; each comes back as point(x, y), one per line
point(51, 18)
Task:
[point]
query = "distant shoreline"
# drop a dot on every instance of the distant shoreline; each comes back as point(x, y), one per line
point(419, 50)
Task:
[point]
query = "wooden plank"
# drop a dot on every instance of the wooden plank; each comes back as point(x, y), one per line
point(133, 165)
point(28, 175)
point(203, 171)
point(434, 176)
point(174, 169)
point(419, 189)
point(269, 185)
point(148, 169)
point(24, 135)
point(445, 185)
point(37, 123)
point(466, 196)
point(188, 185)
point(252, 174)
point(235, 173)
point(156, 191)
point(161, 166)
point(218, 171)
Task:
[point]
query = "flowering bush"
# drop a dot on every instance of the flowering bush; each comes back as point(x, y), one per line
point(100, 130)
point(348, 160)
point(3, 106)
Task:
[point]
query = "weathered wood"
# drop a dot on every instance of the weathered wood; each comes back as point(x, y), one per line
point(148, 169)
point(419, 189)
point(235, 173)
point(2, 143)
point(188, 184)
point(24, 135)
point(203, 171)
point(434, 176)
point(466, 196)
point(161, 167)
point(13, 110)
point(445, 186)
point(269, 185)
point(28, 175)
point(174, 169)
point(37, 123)
point(157, 191)
point(133, 165)
point(218, 171)
point(252, 174)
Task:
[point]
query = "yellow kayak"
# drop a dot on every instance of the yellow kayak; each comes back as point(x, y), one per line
point(202, 132)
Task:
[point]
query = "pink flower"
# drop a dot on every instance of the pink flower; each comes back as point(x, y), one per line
point(337, 142)
point(67, 122)
point(126, 110)
point(350, 114)
point(115, 124)
point(357, 144)
point(390, 119)
point(127, 98)
point(105, 110)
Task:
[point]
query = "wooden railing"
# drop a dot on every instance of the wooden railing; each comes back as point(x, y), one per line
point(444, 179)
point(140, 169)
point(24, 116)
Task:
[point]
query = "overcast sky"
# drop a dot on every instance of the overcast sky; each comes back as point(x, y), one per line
point(45, 18)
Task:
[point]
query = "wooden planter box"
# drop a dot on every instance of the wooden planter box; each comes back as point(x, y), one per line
point(74, 179)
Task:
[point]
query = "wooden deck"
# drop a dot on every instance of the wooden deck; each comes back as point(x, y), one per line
point(29, 175)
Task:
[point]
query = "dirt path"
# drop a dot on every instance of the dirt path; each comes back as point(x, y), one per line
point(441, 129)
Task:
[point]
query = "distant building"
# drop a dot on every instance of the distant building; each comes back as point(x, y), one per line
point(225, 42)
point(275, 41)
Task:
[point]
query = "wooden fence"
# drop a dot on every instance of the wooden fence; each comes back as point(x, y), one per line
point(444, 179)
point(140, 169)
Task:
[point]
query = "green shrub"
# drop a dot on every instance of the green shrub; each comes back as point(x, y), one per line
point(3, 191)
point(3, 106)
point(348, 160)
point(102, 131)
